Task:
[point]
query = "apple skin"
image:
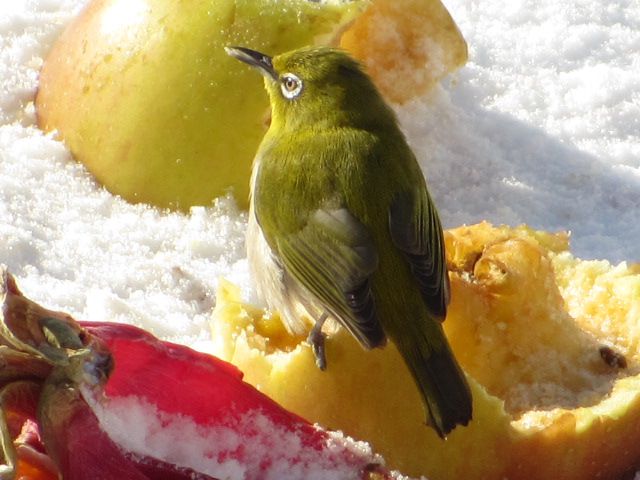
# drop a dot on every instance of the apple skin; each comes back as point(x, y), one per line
point(143, 93)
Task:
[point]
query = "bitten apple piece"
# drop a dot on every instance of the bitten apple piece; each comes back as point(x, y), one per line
point(549, 344)
point(407, 46)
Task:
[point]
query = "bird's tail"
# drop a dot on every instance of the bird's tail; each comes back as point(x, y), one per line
point(442, 383)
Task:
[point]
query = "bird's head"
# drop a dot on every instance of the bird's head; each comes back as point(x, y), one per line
point(317, 86)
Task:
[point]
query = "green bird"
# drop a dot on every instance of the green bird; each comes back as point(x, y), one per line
point(342, 227)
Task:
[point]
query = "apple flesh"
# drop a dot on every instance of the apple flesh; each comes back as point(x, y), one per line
point(143, 94)
point(407, 46)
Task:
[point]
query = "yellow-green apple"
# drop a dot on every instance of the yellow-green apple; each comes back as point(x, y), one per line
point(143, 93)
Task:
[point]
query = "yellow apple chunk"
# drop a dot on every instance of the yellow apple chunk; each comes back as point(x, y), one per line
point(549, 344)
point(407, 46)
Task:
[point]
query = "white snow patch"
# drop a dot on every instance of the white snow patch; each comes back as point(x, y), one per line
point(250, 446)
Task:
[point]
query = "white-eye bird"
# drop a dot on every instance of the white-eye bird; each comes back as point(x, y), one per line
point(341, 225)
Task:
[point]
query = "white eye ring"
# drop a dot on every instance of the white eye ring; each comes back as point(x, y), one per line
point(290, 85)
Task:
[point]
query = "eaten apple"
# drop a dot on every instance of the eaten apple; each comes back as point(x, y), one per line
point(549, 344)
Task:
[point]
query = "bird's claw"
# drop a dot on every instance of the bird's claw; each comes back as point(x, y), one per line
point(317, 340)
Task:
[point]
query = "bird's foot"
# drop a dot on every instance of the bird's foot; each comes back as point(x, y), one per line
point(317, 341)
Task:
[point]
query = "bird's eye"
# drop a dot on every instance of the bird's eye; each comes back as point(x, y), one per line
point(290, 85)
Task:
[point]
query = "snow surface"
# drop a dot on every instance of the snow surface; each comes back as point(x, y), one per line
point(541, 127)
point(250, 447)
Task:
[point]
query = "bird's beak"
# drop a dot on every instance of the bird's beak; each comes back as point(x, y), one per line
point(255, 59)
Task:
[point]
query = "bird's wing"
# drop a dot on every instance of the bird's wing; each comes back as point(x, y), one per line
point(415, 229)
point(333, 257)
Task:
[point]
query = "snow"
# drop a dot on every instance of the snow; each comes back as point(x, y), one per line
point(542, 126)
point(251, 446)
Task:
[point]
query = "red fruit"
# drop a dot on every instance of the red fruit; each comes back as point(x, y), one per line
point(237, 425)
